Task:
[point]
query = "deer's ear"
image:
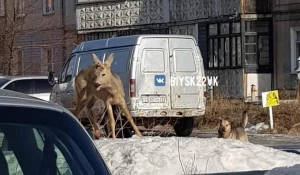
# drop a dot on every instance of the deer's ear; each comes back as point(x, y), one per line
point(96, 60)
point(220, 121)
point(109, 60)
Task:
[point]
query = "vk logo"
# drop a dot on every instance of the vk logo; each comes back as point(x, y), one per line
point(159, 80)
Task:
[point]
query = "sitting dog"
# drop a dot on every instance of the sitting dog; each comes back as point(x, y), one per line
point(227, 131)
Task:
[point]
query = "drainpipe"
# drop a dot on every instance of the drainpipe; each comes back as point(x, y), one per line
point(253, 91)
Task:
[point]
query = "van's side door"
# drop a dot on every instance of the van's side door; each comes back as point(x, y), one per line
point(152, 74)
point(65, 90)
point(120, 66)
point(185, 62)
point(41, 88)
point(85, 60)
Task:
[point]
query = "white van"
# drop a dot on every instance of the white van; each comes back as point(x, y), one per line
point(145, 64)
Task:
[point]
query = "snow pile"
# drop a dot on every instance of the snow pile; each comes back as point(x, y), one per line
point(256, 128)
point(174, 155)
point(293, 170)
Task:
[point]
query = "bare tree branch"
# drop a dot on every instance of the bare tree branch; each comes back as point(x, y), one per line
point(13, 28)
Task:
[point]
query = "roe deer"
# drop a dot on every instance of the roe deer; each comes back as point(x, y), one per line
point(99, 82)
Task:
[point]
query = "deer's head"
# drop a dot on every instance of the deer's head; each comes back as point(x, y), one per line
point(101, 74)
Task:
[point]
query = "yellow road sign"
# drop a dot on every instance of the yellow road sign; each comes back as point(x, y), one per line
point(272, 98)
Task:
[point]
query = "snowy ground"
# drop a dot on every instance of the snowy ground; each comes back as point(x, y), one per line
point(256, 128)
point(190, 155)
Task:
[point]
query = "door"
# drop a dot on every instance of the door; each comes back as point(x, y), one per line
point(65, 87)
point(41, 89)
point(152, 74)
point(85, 60)
point(22, 86)
point(120, 66)
point(185, 62)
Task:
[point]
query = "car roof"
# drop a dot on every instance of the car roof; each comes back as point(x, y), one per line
point(23, 77)
point(121, 41)
point(13, 98)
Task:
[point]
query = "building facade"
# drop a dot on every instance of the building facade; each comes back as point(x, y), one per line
point(235, 36)
point(37, 35)
point(252, 45)
point(286, 20)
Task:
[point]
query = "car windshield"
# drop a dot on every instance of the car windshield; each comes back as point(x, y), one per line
point(32, 149)
point(3, 81)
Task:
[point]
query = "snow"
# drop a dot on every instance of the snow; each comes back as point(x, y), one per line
point(254, 129)
point(189, 155)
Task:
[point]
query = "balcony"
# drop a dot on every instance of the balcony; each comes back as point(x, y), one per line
point(256, 6)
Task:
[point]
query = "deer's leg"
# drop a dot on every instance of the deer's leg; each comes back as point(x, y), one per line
point(124, 108)
point(93, 119)
point(82, 101)
point(111, 123)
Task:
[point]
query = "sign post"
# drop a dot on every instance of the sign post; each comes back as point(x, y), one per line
point(270, 99)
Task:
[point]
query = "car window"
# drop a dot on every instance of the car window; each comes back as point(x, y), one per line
point(153, 61)
point(40, 149)
point(67, 72)
point(42, 86)
point(23, 86)
point(119, 64)
point(184, 60)
point(3, 81)
point(85, 60)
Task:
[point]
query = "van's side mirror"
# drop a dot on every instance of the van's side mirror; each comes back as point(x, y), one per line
point(51, 79)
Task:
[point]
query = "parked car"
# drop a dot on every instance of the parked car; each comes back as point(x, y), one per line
point(40, 137)
point(137, 60)
point(36, 86)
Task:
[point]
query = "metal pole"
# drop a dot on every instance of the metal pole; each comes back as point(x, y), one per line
point(211, 93)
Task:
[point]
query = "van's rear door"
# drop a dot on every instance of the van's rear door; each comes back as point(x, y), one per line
point(153, 75)
point(185, 62)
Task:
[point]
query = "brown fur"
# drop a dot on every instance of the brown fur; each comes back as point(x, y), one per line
point(227, 131)
point(99, 82)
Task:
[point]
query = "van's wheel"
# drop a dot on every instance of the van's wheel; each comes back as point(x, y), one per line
point(184, 126)
point(124, 132)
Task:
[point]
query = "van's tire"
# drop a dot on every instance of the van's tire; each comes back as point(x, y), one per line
point(184, 126)
point(127, 133)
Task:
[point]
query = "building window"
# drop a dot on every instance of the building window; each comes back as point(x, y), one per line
point(2, 8)
point(257, 46)
point(20, 8)
point(295, 48)
point(48, 7)
point(224, 45)
point(46, 60)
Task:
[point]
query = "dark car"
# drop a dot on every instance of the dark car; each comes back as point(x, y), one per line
point(39, 137)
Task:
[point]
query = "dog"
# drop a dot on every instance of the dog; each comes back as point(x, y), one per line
point(227, 131)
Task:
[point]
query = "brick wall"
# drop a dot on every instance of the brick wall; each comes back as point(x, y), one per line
point(32, 43)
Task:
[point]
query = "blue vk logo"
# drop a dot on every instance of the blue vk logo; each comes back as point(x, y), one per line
point(159, 80)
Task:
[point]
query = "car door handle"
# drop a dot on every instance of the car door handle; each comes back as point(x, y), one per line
point(69, 92)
